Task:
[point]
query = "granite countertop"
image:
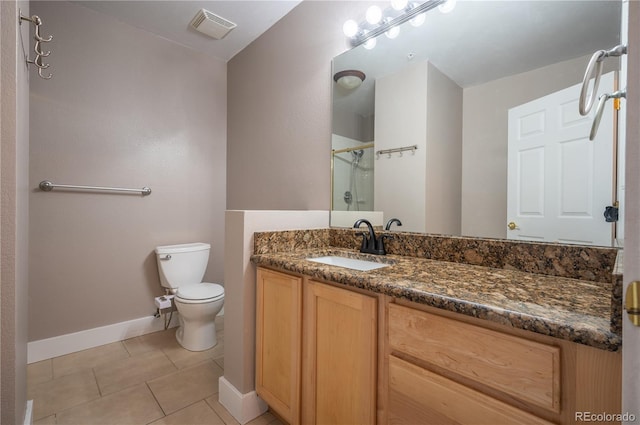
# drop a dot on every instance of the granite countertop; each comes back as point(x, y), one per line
point(571, 309)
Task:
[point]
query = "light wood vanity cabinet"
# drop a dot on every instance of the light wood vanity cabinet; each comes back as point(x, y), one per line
point(444, 368)
point(339, 356)
point(326, 374)
point(523, 369)
point(278, 342)
point(328, 355)
point(419, 396)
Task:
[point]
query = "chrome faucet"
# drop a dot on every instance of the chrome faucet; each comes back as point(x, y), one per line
point(390, 222)
point(370, 243)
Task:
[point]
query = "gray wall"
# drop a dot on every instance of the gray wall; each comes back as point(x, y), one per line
point(124, 108)
point(14, 208)
point(279, 127)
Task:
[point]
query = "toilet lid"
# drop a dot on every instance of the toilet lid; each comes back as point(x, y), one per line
point(200, 291)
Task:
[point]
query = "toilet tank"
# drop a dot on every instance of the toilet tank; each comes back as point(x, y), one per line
point(182, 264)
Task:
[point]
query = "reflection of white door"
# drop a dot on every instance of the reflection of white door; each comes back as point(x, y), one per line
point(559, 182)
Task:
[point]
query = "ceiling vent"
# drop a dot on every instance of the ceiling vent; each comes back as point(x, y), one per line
point(211, 24)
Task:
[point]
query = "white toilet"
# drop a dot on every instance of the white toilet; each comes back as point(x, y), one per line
point(181, 270)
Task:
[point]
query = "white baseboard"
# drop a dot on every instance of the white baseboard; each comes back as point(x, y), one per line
point(70, 343)
point(28, 414)
point(243, 407)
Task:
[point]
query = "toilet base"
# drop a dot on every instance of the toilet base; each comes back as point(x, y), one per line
point(197, 331)
point(201, 339)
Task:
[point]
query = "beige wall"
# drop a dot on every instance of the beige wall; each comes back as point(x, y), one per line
point(421, 188)
point(124, 108)
point(444, 153)
point(630, 333)
point(240, 298)
point(484, 150)
point(14, 208)
point(279, 110)
point(400, 181)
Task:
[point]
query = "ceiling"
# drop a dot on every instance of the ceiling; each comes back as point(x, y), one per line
point(170, 20)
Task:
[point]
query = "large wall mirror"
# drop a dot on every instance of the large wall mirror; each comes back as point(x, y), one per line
point(468, 124)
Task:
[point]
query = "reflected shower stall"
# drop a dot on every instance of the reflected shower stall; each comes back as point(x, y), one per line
point(351, 174)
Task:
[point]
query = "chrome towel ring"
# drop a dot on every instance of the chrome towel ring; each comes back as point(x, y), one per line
point(594, 70)
point(600, 109)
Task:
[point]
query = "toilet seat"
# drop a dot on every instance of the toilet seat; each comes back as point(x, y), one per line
point(197, 293)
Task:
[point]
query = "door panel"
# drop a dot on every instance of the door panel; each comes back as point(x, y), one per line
point(559, 182)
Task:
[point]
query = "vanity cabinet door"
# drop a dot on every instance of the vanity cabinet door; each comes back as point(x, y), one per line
point(278, 342)
point(339, 360)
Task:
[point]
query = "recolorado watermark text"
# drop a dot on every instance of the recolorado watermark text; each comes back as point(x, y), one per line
point(604, 417)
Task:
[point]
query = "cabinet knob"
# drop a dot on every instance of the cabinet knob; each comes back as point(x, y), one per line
point(512, 225)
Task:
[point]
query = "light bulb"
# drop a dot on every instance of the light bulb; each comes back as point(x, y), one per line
point(447, 6)
point(374, 15)
point(350, 28)
point(399, 4)
point(370, 43)
point(392, 32)
point(418, 20)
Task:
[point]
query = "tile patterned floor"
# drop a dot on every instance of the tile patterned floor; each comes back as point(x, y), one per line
point(144, 380)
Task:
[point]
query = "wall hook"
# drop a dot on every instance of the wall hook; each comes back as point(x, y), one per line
point(39, 39)
point(36, 48)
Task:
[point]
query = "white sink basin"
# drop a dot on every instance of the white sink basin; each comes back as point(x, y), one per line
point(349, 263)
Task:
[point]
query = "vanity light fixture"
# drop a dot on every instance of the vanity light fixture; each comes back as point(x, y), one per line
point(417, 21)
point(399, 4)
point(448, 6)
point(392, 32)
point(387, 21)
point(349, 79)
point(370, 43)
point(374, 15)
point(350, 28)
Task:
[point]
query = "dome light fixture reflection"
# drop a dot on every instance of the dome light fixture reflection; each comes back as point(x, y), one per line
point(349, 79)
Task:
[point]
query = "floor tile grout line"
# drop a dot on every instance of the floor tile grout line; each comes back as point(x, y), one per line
point(156, 400)
point(124, 347)
point(167, 356)
point(170, 361)
point(95, 377)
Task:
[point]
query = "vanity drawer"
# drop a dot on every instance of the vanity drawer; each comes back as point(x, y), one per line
point(417, 395)
point(527, 370)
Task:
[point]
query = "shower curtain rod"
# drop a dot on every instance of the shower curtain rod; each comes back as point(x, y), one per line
point(367, 146)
